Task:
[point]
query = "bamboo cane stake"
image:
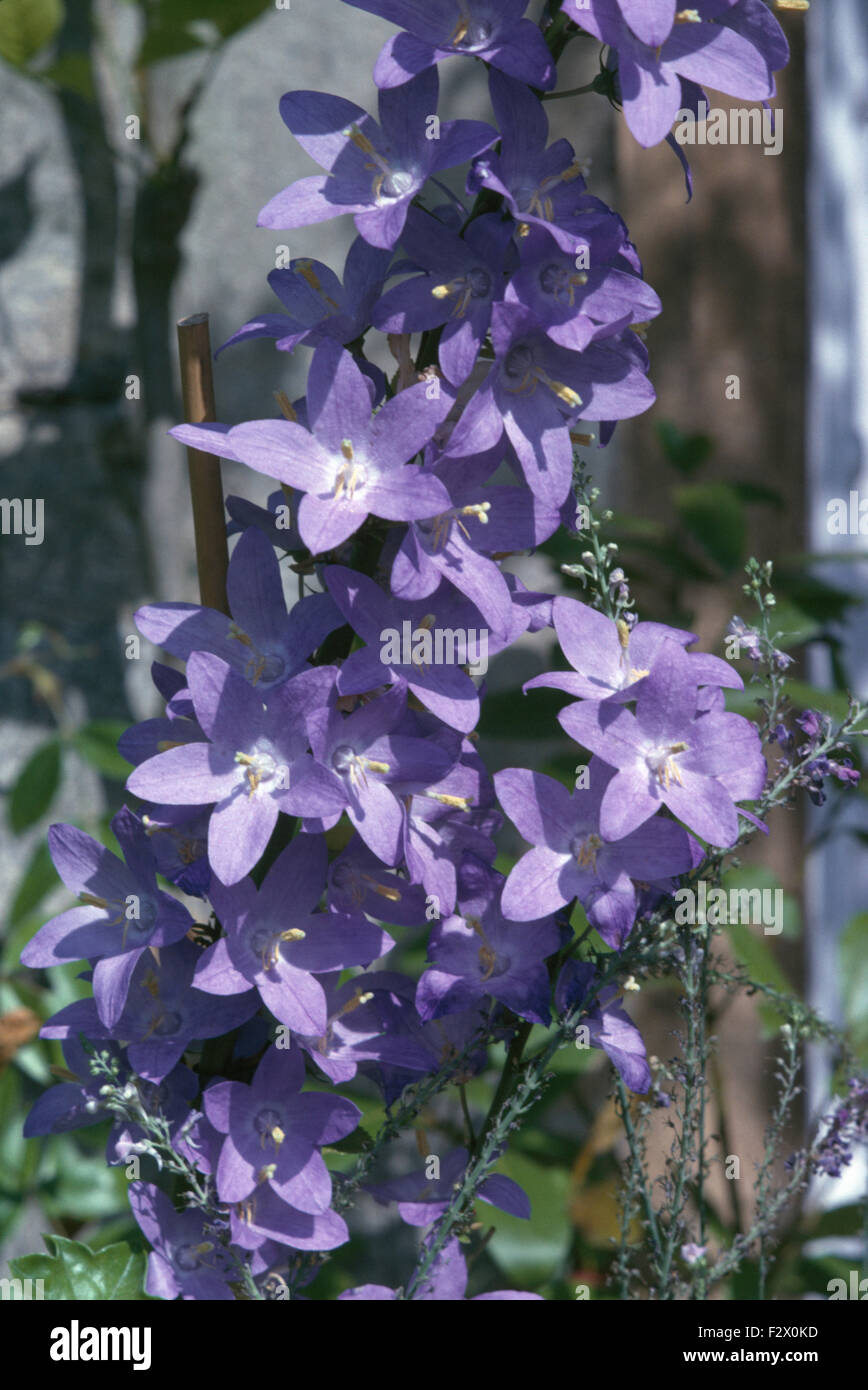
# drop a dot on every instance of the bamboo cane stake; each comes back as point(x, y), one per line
point(206, 487)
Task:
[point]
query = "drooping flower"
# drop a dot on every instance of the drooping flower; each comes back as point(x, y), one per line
point(607, 1024)
point(422, 1199)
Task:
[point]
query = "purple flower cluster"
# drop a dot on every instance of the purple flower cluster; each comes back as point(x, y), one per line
point(664, 56)
point(315, 776)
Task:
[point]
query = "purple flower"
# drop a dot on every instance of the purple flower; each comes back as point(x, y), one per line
point(572, 857)
point(318, 305)
point(422, 1199)
point(276, 940)
point(610, 660)
point(349, 464)
point(492, 30)
point(255, 765)
point(368, 1021)
point(264, 1216)
point(538, 184)
point(576, 306)
point(373, 171)
point(359, 882)
point(123, 912)
point(464, 275)
point(162, 1015)
point(692, 1253)
point(734, 48)
point(456, 816)
point(363, 754)
point(478, 953)
point(261, 641)
point(186, 1260)
point(273, 1133)
point(667, 754)
point(537, 389)
point(483, 521)
point(179, 844)
point(609, 1027)
point(419, 643)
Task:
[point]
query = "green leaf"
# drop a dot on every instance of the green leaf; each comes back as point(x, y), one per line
point(26, 26)
point(758, 494)
point(97, 744)
point(713, 514)
point(39, 878)
point(37, 783)
point(686, 452)
point(530, 1251)
point(178, 26)
point(71, 1270)
point(73, 72)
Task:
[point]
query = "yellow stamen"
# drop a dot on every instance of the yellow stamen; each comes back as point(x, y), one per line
point(286, 405)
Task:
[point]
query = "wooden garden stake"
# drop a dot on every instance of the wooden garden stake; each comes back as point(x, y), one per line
point(206, 487)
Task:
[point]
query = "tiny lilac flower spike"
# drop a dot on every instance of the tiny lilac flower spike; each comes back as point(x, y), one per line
point(463, 277)
point(610, 660)
point(732, 47)
point(349, 464)
point(261, 641)
point(318, 306)
point(273, 1133)
point(373, 171)
point(492, 30)
point(668, 754)
point(123, 912)
point(255, 765)
point(571, 857)
point(478, 952)
point(185, 1261)
point(609, 1027)
point(276, 940)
